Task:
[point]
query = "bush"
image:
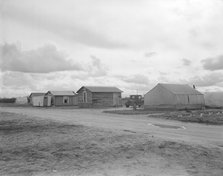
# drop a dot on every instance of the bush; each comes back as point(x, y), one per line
point(7, 100)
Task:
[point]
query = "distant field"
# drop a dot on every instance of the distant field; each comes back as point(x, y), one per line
point(210, 116)
point(30, 146)
point(14, 105)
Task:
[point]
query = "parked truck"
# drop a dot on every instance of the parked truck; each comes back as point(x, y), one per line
point(134, 100)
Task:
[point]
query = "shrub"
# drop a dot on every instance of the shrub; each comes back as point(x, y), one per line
point(7, 100)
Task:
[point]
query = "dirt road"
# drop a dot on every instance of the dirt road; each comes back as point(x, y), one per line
point(207, 135)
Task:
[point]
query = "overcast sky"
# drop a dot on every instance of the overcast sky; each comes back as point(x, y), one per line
point(131, 44)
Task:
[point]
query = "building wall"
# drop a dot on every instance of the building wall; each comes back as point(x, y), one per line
point(99, 99)
point(117, 99)
point(80, 99)
point(102, 99)
point(190, 99)
point(159, 96)
point(38, 100)
point(58, 101)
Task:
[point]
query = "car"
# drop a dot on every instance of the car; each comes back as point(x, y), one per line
point(134, 100)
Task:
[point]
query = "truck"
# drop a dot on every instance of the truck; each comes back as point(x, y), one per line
point(134, 100)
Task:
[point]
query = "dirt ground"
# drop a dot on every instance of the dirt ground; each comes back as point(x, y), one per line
point(37, 145)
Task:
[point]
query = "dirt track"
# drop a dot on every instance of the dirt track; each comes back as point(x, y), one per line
point(207, 135)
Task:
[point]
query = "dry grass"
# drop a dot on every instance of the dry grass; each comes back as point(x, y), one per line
point(212, 117)
point(132, 112)
point(30, 146)
point(206, 117)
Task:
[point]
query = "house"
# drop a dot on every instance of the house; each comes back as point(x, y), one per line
point(60, 98)
point(213, 99)
point(96, 96)
point(36, 98)
point(173, 96)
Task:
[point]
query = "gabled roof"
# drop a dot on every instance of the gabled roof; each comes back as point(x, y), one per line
point(101, 89)
point(62, 93)
point(36, 94)
point(182, 89)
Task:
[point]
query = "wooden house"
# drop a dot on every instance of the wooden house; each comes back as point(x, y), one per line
point(96, 96)
point(60, 98)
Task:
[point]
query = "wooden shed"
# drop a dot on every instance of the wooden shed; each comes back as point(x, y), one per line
point(61, 98)
point(173, 96)
point(35, 101)
point(98, 96)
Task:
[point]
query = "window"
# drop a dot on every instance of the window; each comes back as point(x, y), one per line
point(65, 100)
point(85, 97)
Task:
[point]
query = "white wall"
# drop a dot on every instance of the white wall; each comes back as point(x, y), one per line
point(38, 100)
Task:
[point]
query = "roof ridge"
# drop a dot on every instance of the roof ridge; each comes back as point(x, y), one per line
point(180, 89)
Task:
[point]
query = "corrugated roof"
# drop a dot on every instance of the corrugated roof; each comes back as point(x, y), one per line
point(180, 89)
point(101, 89)
point(62, 93)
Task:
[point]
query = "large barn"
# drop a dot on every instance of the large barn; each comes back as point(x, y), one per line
point(60, 98)
point(91, 96)
point(173, 96)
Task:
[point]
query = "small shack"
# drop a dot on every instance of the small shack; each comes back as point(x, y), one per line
point(98, 96)
point(60, 98)
point(36, 98)
point(213, 99)
point(173, 96)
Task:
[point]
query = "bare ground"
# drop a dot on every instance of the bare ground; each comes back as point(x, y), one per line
point(31, 146)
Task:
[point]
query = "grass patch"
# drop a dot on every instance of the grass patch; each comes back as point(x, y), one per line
point(210, 116)
point(205, 117)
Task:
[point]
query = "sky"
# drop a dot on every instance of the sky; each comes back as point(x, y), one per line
point(131, 44)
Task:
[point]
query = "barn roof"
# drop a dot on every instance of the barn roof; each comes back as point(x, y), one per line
point(36, 94)
point(180, 89)
point(101, 89)
point(62, 93)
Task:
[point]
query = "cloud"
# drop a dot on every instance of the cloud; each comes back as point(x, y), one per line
point(136, 79)
point(96, 69)
point(41, 60)
point(18, 80)
point(66, 28)
point(150, 54)
point(210, 79)
point(213, 63)
point(186, 62)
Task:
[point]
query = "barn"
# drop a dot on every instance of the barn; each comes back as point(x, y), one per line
point(173, 96)
point(36, 98)
point(60, 98)
point(213, 99)
point(98, 96)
